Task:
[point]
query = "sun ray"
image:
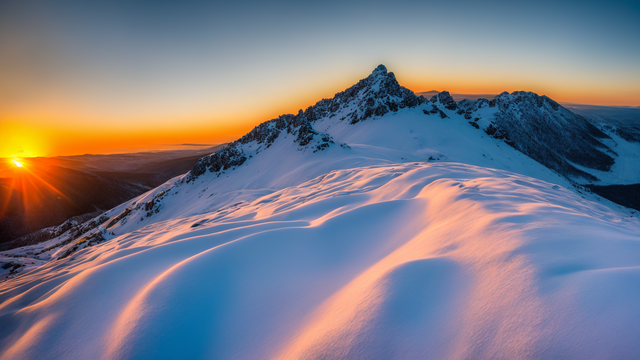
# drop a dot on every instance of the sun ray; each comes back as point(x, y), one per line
point(53, 188)
point(29, 186)
point(5, 205)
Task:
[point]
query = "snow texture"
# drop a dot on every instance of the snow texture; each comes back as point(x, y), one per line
point(411, 260)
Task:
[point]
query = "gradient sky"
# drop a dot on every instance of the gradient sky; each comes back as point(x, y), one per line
point(108, 76)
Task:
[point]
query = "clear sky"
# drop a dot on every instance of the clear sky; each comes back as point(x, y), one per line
point(103, 76)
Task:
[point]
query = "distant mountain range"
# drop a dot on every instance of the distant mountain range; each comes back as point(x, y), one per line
point(458, 97)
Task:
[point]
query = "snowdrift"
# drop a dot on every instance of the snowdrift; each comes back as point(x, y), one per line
point(405, 260)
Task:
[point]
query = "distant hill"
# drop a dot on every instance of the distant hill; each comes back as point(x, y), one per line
point(624, 121)
point(48, 191)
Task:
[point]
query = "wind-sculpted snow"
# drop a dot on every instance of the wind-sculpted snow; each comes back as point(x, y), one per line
point(398, 261)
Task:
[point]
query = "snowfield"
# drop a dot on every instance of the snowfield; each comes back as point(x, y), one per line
point(413, 260)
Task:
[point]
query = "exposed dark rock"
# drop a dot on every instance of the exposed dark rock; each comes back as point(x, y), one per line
point(495, 132)
point(223, 159)
point(119, 217)
point(445, 99)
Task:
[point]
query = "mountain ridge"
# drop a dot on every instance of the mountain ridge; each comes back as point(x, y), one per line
point(562, 138)
point(375, 95)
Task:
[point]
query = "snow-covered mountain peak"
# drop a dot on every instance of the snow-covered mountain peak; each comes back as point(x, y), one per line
point(381, 69)
point(374, 96)
point(534, 125)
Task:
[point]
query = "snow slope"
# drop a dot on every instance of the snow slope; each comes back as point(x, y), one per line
point(412, 260)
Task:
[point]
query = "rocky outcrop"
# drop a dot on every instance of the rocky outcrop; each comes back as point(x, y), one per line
point(227, 157)
point(445, 99)
point(376, 95)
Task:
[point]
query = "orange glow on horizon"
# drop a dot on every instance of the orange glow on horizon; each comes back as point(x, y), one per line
point(575, 94)
point(38, 134)
point(23, 140)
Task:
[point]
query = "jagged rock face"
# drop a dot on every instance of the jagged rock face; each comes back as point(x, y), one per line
point(445, 99)
point(375, 95)
point(221, 160)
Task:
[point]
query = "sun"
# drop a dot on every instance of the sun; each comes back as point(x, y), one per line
point(17, 163)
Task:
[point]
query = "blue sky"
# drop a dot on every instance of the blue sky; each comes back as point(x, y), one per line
point(225, 66)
